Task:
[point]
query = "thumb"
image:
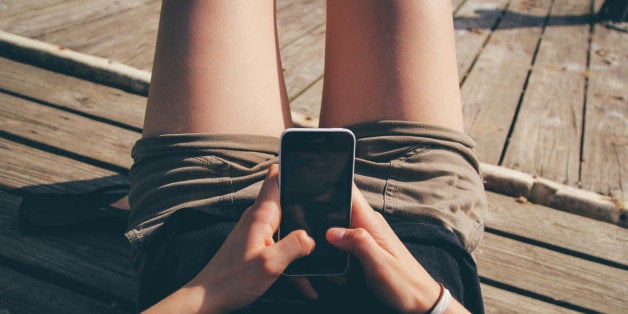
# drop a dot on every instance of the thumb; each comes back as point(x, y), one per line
point(359, 242)
point(295, 245)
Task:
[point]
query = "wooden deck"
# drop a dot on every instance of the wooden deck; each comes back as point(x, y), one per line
point(544, 92)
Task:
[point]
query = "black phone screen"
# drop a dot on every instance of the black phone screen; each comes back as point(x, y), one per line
point(316, 176)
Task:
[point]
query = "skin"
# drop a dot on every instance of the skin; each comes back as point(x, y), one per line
point(217, 70)
point(252, 260)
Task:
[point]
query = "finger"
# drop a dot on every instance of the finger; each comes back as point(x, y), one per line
point(306, 287)
point(363, 216)
point(359, 242)
point(266, 209)
point(296, 245)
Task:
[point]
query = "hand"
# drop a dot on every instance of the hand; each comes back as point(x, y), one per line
point(247, 263)
point(390, 270)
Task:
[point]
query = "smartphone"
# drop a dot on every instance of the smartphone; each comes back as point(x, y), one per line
point(315, 176)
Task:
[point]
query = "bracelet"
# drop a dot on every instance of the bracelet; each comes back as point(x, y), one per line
point(443, 301)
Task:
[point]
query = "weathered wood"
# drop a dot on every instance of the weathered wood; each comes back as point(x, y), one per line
point(8, 8)
point(455, 4)
point(502, 301)
point(473, 23)
point(557, 228)
point(558, 276)
point(128, 36)
point(95, 264)
point(20, 293)
point(547, 134)
point(548, 193)
point(303, 61)
point(70, 132)
point(308, 103)
point(491, 92)
point(72, 93)
point(45, 19)
point(35, 170)
point(298, 19)
point(71, 62)
point(604, 167)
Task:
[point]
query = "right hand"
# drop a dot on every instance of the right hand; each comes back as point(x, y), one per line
point(390, 270)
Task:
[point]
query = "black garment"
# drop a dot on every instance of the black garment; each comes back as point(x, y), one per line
point(189, 239)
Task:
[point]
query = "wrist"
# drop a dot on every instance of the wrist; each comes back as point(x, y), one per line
point(200, 298)
point(429, 296)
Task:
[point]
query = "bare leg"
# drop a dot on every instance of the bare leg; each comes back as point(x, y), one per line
point(217, 70)
point(390, 60)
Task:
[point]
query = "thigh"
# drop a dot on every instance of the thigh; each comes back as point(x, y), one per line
point(217, 70)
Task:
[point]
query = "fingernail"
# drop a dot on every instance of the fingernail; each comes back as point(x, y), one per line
point(335, 234)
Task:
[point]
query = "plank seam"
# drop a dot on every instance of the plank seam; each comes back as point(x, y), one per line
point(485, 42)
point(525, 84)
point(534, 295)
point(73, 111)
point(586, 91)
point(557, 249)
point(102, 71)
point(65, 153)
point(65, 27)
point(64, 282)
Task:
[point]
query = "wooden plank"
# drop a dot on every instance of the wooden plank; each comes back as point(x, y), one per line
point(95, 264)
point(45, 19)
point(134, 38)
point(558, 276)
point(280, 4)
point(298, 19)
point(72, 93)
point(23, 294)
point(558, 228)
point(604, 167)
point(455, 4)
point(473, 24)
point(547, 135)
point(8, 8)
point(308, 103)
point(34, 170)
point(502, 301)
point(67, 131)
point(303, 61)
point(128, 36)
point(491, 92)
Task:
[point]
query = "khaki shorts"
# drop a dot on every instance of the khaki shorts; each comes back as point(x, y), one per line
point(408, 171)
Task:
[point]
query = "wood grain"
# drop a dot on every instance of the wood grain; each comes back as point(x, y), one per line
point(20, 293)
point(298, 19)
point(604, 166)
point(72, 93)
point(473, 24)
point(67, 131)
point(309, 102)
point(35, 170)
point(491, 92)
point(558, 228)
point(546, 138)
point(555, 275)
point(128, 36)
point(8, 8)
point(44, 19)
point(303, 61)
point(502, 301)
point(95, 263)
